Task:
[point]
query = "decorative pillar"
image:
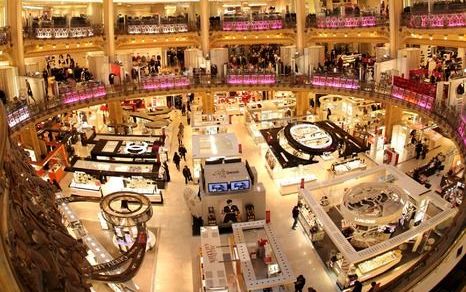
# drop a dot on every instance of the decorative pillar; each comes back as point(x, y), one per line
point(15, 22)
point(300, 25)
point(302, 103)
point(115, 113)
point(28, 137)
point(208, 106)
point(109, 28)
point(205, 13)
point(395, 8)
point(393, 115)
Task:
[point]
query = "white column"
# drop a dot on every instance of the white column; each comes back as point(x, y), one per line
point(205, 13)
point(109, 28)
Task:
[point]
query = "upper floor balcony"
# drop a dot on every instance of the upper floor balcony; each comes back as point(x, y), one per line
point(155, 24)
point(354, 20)
point(252, 22)
point(58, 27)
point(441, 14)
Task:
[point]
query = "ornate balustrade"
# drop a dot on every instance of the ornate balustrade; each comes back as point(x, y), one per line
point(350, 21)
point(441, 20)
point(64, 32)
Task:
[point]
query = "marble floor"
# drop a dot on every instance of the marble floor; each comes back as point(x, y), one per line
point(175, 267)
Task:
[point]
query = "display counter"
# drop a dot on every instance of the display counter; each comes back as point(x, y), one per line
point(143, 186)
point(376, 266)
point(212, 264)
point(348, 165)
point(84, 181)
point(264, 252)
point(208, 124)
point(311, 225)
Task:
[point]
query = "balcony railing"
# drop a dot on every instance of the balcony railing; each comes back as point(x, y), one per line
point(335, 22)
point(63, 32)
point(154, 25)
point(254, 22)
point(434, 20)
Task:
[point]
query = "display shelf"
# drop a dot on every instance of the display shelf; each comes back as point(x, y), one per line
point(348, 165)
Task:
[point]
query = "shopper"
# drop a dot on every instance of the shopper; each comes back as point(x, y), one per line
point(187, 174)
point(374, 287)
point(299, 284)
point(182, 150)
point(176, 160)
point(167, 171)
point(295, 214)
point(180, 137)
point(357, 287)
point(418, 149)
point(425, 149)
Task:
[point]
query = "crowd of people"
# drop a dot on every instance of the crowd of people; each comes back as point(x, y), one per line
point(254, 58)
point(64, 68)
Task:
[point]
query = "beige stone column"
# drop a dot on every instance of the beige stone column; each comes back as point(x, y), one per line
point(29, 139)
point(302, 103)
point(109, 29)
point(300, 25)
point(205, 14)
point(393, 115)
point(395, 8)
point(115, 112)
point(208, 106)
point(14, 10)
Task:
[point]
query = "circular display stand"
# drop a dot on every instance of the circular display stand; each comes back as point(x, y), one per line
point(139, 209)
point(159, 111)
point(150, 240)
point(373, 204)
point(308, 138)
point(311, 136)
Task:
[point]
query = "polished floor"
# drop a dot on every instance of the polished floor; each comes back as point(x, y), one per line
point(174, 265)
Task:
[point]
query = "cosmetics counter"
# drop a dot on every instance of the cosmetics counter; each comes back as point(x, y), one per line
point(209, 124)
point(230, 193)
point(89, 185)
point(351, 112)
point(257, 260)
point(359, 215)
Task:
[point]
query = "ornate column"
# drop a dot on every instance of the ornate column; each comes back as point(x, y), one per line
point(208, 106)
point(115, 112)
point(395, 8)
point(109, 29)
point(14, 10)
point(302, 103)
point(393, 116)
point(300, 25)
point(205, 13)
